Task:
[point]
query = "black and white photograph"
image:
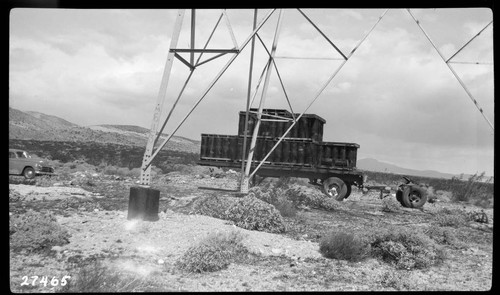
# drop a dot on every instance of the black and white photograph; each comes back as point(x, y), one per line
point(250, 149)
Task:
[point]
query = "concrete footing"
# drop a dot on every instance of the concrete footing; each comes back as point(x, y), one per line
point(143, 203)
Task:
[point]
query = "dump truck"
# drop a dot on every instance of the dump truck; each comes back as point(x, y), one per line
point(302, 153)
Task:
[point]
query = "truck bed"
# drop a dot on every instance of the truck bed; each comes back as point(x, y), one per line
point(293, 157)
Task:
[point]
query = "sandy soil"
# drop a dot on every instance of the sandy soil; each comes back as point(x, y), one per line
point(150, 249)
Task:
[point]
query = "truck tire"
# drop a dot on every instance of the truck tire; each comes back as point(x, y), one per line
point(414, 196)
point(28, 173)
point(334, 187)
point(399, 198)
point(348, 193)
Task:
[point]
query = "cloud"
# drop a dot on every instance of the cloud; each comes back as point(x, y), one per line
point(395, 96)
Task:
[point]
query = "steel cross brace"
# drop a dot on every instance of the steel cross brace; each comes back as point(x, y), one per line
point(154, 135)
point(310, 104)
point(447, 62)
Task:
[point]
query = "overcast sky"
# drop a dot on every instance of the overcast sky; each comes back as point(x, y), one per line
point(395, 96)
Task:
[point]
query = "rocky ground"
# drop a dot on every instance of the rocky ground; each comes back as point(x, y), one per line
point(93, 208)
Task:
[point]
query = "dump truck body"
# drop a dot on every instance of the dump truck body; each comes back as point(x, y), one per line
point(302, 152)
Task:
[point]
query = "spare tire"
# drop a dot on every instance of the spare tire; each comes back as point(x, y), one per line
point(334, 187)
point(399, 198)
point(414, 196)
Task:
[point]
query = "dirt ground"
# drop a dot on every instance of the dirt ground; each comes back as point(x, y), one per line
point(282, 262)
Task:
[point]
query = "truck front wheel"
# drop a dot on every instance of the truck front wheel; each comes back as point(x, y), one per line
point(334, 187)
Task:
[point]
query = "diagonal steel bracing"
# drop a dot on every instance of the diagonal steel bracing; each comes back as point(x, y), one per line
point(149, 155)
point(263, 81)
point(452, 70)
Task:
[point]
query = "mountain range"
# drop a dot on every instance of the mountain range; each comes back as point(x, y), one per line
point(370, 164)
point(39, 126)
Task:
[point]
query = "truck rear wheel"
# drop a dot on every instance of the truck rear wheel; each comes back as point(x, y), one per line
point(334, 187)
point(414, 196)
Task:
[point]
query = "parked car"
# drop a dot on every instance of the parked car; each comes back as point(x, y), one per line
point(22, 163)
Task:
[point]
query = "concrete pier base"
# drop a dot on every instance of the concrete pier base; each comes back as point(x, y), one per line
point(143, 203)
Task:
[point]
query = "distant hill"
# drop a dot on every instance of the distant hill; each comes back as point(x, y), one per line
point(39, 126)
point(369, 164)
point(52, 120)
point(377, 166)
point(141, 134)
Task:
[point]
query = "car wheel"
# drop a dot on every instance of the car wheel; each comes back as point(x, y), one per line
point(29, 173)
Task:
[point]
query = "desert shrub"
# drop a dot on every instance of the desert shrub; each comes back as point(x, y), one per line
point(254, 214)
point(283, 183)
point(276, 195)
point(21, 180)
point(390, 205)
point(443, 236)
point(286, 208)
point(79, 204)
point(283, 194)
point(304, 196)
point(96, 277)
point(329, 204)
point(451, 217)
point(344, 246)
point(213, 253)
point(396, 280)
point(110, 170)
point(248, 212)
point(214, 206)
point(34, 231)
point(312, 197)
point(484, 201)
point(45, 180)
point(473, 188)
point(15, 196)
point(126, 172)
point(406, 248)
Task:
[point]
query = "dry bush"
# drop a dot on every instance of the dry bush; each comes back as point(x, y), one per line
point(97, 278)
point(473, 188)
point(276, 195)
point(406, 248)
point(45, 180)
point(35, 232)
point(344, 246)
point(286, 208)
point(14, 179)
point(443, 236)
point(390, 205)
point(451, 217)
point(253, 214)
point(213, 253)
point(15, 196)
point(286, 196)
point(214, 206)
point(311, 197)
point(395, 280)
point(248, 212)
